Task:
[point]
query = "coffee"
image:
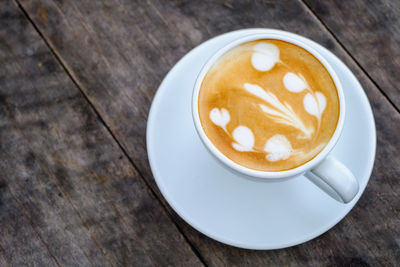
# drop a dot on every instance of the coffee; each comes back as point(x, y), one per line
point(268, 105)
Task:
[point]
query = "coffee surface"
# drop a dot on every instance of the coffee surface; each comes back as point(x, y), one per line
point(268, 105)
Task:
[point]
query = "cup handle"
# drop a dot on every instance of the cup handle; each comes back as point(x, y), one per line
point(337, 176)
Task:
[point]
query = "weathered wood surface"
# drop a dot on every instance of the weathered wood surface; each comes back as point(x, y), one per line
point(68, 194)
point(117, 52)
point(370, 31)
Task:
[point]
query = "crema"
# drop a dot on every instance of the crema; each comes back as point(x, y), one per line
point(268, 105)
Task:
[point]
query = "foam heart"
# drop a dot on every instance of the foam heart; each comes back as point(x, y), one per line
point(278, 147)
point(315, 105)
point(294, 83)
point(220, 117)
point(244, 138)
point(265, 56)
point(310, 104)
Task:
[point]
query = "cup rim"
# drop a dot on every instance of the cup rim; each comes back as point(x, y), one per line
point(252, 172)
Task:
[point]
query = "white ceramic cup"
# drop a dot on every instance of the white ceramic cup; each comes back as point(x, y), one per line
point(323, 170)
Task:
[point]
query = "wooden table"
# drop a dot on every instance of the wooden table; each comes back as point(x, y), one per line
point(76, 83)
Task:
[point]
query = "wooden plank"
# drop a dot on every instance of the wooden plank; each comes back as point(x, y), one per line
point(3, 260)
point(370, 31)
point(69, 196)
point(16, 229)
point(119, 51)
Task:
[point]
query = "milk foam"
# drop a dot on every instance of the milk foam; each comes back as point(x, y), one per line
point(220, 117)
point(265, 57)
point(244, 138)
point(278, 147)
point(315, 105)
point(294, 83)
point(281, 112)
point(321, 101)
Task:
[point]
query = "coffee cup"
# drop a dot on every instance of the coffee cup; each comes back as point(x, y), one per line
point(282, 159)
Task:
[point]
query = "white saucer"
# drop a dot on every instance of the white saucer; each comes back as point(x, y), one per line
point(237, 211)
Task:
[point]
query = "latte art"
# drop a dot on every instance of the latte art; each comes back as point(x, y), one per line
point(268, 105)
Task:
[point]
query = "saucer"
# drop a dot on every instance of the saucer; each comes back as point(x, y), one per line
point(237, 211)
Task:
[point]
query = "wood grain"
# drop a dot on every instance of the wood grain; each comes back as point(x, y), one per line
point(117, 52)
point(68, 194)
point(370, 31)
